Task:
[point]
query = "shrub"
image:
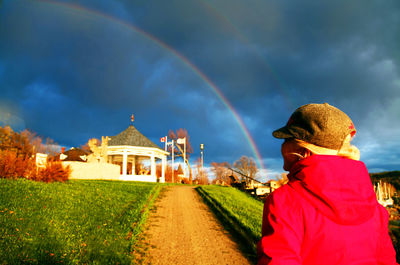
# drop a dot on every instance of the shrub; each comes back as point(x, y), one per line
point(14, 166)
point(54, 171)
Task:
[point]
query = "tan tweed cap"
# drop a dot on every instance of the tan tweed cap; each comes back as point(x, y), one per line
point(318, 124)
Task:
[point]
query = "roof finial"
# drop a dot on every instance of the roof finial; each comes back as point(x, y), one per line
point(132, 118)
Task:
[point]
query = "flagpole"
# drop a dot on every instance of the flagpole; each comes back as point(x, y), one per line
point(166, 143)
point(184, 158)
point(173, 170)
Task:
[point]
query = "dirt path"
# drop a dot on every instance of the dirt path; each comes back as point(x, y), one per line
point(182, 230)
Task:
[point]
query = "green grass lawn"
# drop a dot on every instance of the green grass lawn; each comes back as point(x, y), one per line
point(95, 222)
point(239, 212)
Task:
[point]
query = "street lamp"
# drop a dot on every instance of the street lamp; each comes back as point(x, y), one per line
point(202, 148)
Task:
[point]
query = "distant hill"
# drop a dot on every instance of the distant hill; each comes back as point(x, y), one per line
point(392, 177)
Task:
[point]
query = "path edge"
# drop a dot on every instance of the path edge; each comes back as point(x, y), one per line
point(247, 243)
point(137, 250)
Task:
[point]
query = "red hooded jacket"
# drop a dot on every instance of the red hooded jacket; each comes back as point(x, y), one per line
point(326, 214)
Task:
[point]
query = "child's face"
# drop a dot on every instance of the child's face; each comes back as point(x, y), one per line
point(289, 147)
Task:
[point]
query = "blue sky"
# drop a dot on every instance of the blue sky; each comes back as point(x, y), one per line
point(73, 70)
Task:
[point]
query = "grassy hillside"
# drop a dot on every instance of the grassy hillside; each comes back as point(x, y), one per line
point(239, 212)
point(92, 222)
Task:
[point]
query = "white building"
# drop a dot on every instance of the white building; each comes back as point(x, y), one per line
point(131, 150)
point(128, 156)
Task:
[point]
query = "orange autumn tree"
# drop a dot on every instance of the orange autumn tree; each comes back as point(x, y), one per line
point(15, 142)
point(168, 173)
point(17, 157)
point(15, 154)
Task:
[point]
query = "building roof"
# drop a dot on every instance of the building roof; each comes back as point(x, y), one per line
point(75, 154)
point(131, 137)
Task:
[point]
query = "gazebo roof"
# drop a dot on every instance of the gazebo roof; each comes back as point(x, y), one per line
point(131, 137)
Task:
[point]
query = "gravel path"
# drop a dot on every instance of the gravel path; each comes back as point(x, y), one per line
point(182, 230)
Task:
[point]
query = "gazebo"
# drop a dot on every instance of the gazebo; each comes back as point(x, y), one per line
point(130, 149)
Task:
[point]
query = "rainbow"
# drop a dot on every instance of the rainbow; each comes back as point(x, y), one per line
point(97, 14)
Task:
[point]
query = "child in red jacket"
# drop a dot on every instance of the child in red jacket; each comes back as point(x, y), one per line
point(328, 212)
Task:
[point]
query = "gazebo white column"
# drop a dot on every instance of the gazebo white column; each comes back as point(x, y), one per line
point(124, 162)
point(163, 164)
point(153, 167)
point(134, 165)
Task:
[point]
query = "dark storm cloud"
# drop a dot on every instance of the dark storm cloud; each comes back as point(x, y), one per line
point(74, 72)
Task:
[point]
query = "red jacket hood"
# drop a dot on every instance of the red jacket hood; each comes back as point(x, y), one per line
point(338, 187)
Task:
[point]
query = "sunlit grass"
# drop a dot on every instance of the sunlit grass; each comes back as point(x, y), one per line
point(92, 222)
point(239, 212)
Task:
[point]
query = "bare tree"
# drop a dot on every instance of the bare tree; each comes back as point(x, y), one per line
point(182, 133)
point(49, 147)
point(26, 143)
point(201, 175)
point(222, 172)
point(247, 166)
